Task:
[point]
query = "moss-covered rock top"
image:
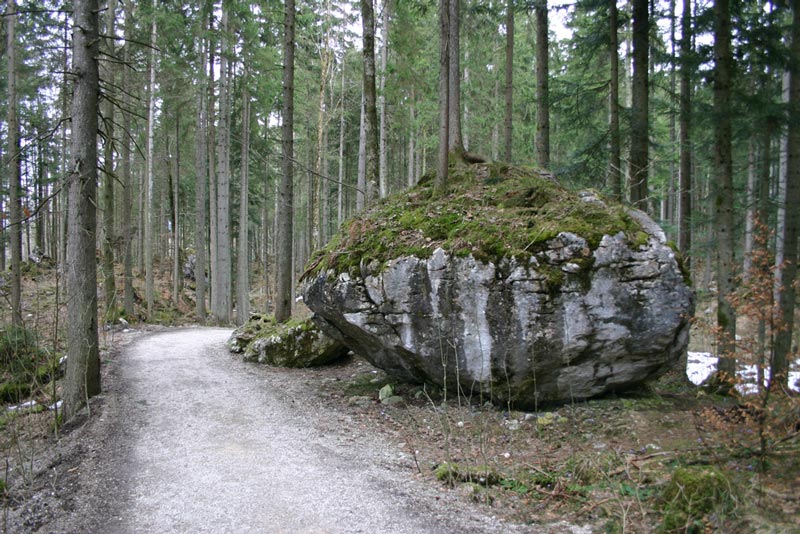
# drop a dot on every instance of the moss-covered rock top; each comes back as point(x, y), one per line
point(490, 211)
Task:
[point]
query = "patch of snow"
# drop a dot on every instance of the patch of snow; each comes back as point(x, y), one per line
point(23, 406)
point(700, 365)
point(56, 406)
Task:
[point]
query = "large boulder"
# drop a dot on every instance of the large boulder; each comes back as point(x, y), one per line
point(565, 308)
point(298, 343)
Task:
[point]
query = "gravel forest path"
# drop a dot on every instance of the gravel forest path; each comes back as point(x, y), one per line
point(194, 440)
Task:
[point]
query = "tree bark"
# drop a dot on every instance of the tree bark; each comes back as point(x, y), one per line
point(370, 106)
point(127, 182)
point(723, 162)
point(222, 267)
point(201, 181)
point(14, 168)
point(509, 87)
point(788, 268)
point(361, 179)
point(542, 90)
point(383, 167)
point(109, 234)
point(440, 184)
point(149, 181)
point(638, 166)
point(243, 263)
point(454, 136)
point(412, 180)
point(82, 378)
point(175, 215)
point(614, 159)
point(685, 126)
point(285, 212)
point(340, 184)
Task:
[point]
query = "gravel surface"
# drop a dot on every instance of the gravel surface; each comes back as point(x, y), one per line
point(187, 438)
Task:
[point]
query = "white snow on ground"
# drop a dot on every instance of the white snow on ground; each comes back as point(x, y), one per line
point(700, 365)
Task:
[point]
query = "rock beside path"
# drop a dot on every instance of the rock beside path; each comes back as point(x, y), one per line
point(298, 343)
point(582, 313)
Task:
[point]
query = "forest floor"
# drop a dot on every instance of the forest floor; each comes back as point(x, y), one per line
point(628, 463)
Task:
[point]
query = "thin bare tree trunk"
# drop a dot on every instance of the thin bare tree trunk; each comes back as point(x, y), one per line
point(787, 292)
point(412, 179)
point(109, 235)
point(285, 209)
point(454, 137)
point(14, 168)
point(340, 185)
point(614, 160)
point(509, 88)
point(723, 163)
point(542, 86)
point(638, 163)
point(201, 181)
point(370, 108)
point(212, 176)
point(127, 182)
point(383, 167)
point(82, 379)
point(361, 183)
point(176, 221)
point(243, 263)
point(149, 183)
point(222, 279)
point(440, 183)
point(685, 166)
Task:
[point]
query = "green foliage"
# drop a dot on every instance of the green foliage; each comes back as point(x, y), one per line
point(491, 211)
point(23, 364)
point(691, 495)
point(453, 473)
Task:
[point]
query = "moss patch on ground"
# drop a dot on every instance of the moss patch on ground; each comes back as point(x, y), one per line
point(491, 211)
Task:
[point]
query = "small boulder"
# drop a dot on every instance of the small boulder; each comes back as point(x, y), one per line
point(291, 344)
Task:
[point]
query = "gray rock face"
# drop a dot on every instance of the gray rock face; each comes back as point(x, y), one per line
point(570, 323)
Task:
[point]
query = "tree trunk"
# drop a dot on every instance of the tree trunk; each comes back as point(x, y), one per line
point(243, 263)
point(82, 378)
point(285, 212)
point(454, 137)
point(222, 267)
point(440, 184)
point(788, 237)
point(685, 120)
point(723, 215)
point(383, 168)
point(411, 180)
point(127, 182)
point(361, 179)
point(201, 181)
point(614, 159)
point(370, 109)
point(175, 213)
point(638, 165)
point(340, 184)
point(212, 174)
point(14, 168)
point(109, 235)
point(509, 89)
point(149, 183)
point(542, 91)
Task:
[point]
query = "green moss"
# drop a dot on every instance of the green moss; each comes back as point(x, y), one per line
point(691, 495)
point(491, 211)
